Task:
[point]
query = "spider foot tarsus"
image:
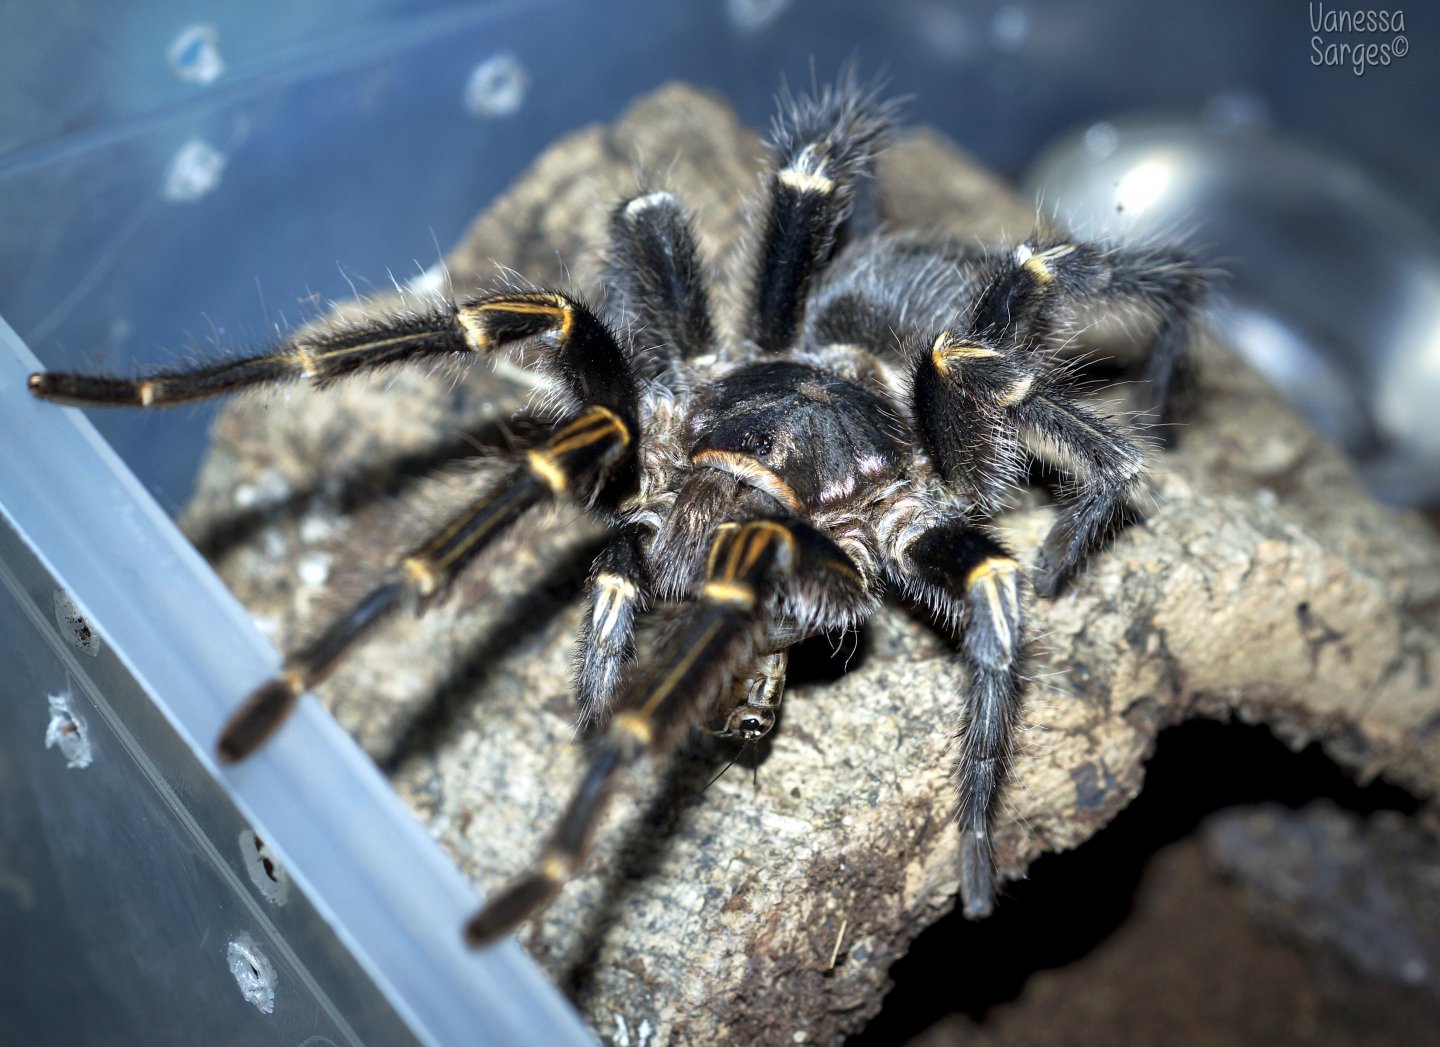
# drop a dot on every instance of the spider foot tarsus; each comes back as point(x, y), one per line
point(162, 388)
point(320, 357)
point(272, 702)
point(971, 581)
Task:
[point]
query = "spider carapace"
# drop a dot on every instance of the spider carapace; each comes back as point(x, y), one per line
point(766, 484)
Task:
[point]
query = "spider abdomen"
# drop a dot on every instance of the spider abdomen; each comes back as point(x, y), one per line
point(820, 437)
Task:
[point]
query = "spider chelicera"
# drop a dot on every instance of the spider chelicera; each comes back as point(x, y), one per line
point(857, 434)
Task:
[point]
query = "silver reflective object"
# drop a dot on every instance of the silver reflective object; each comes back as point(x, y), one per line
point(1332, 286)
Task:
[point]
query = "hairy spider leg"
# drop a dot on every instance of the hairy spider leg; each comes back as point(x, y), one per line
point(579, 458)
point(981, 410)
point(576, 457)
point(1029, 294)
point(322, 357)
point(577, 350)
point(1106, 473)
point(972, 584)
point(821, 145)
point(620, 588)
point(657, 285)
point(962, 395)
point(882, 287)
point(709, 641)
point(1034, 288)
point(660, 297)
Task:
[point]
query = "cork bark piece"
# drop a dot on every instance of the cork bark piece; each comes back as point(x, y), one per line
point(768, 908)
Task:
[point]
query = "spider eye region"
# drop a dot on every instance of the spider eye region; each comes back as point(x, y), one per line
point(813, 436)
point(758, 443)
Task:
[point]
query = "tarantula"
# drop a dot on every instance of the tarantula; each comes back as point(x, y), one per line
point(885, 392)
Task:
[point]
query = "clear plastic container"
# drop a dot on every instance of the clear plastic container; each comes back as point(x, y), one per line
point(180, 177)
point(292, 899)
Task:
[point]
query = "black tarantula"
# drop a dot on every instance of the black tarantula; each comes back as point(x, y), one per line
point(858, 433)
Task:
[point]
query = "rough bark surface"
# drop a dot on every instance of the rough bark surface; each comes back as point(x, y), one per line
point(1264, 585)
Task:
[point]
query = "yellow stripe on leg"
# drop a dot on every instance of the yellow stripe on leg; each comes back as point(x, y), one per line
point(1037, 264)
point(736, 594)
point(946, 352)
point(1002, 567)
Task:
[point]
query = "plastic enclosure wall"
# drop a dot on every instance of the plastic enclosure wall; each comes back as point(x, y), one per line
point(344, 148)
point(129, 884)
